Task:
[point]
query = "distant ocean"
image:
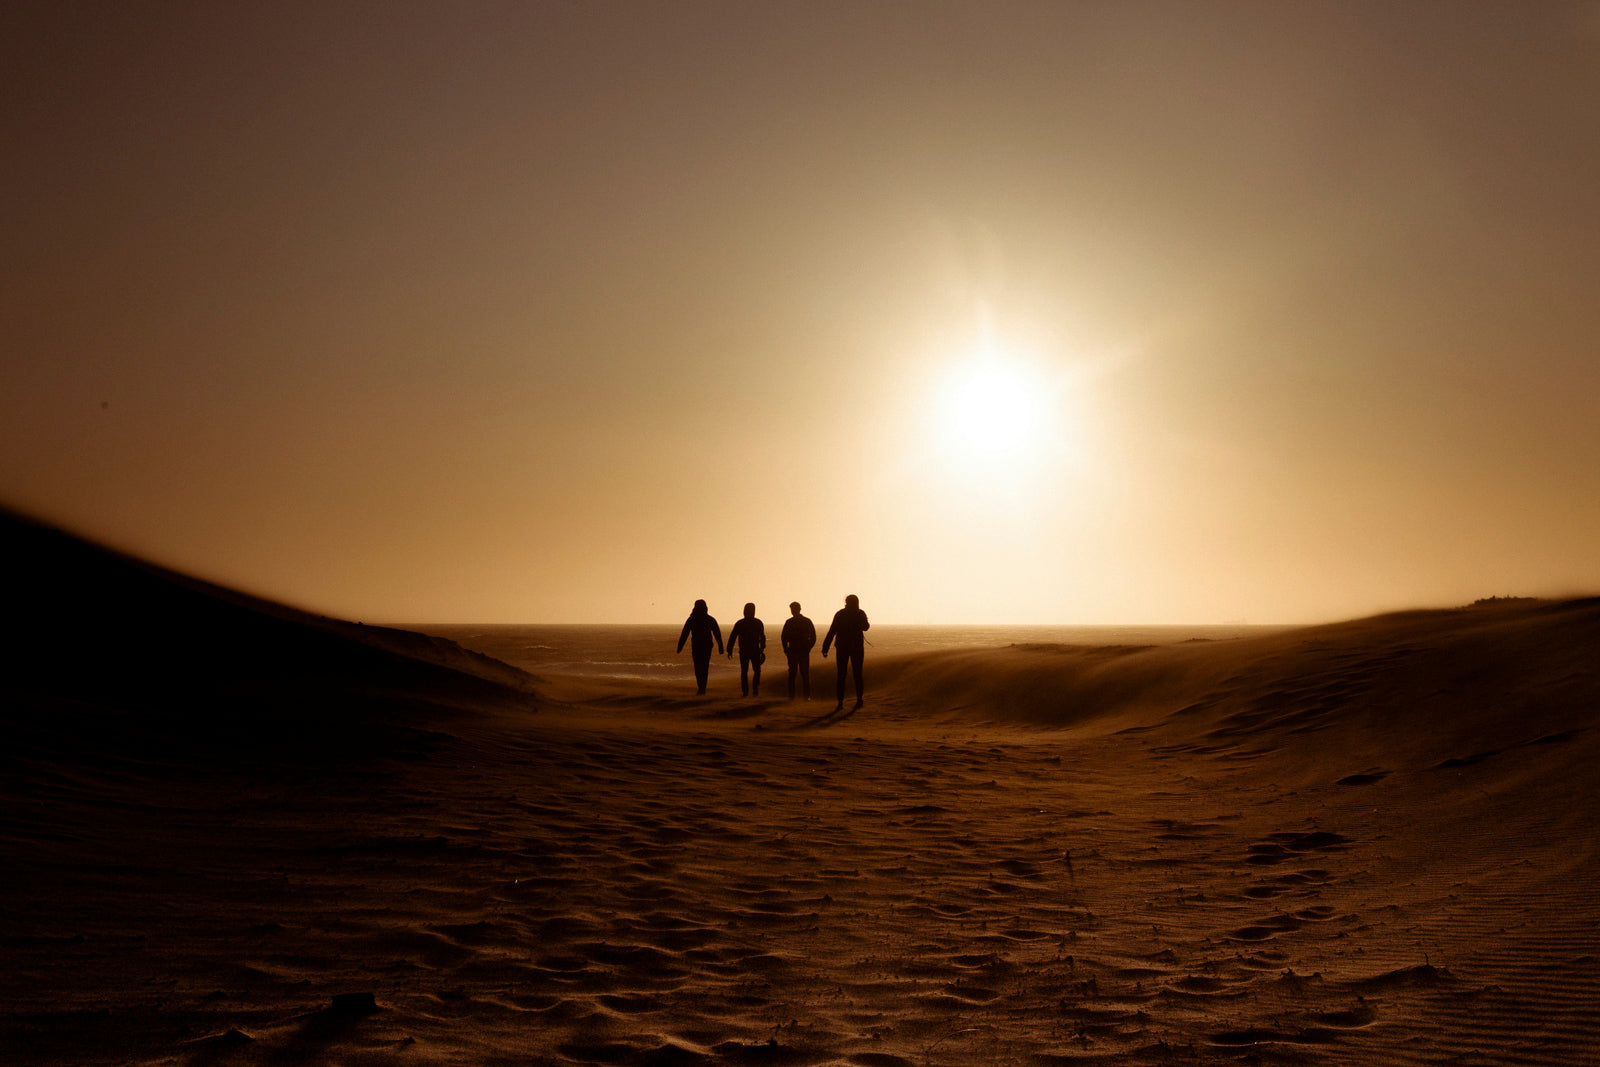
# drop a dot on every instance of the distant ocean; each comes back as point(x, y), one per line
point(647, 652)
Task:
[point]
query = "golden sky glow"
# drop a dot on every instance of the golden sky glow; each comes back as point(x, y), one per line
point(992, 312)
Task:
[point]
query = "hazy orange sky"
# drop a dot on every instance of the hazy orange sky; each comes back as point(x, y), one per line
point(1036, 312)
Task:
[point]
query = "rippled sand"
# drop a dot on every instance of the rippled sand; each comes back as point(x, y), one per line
point(1365, 843)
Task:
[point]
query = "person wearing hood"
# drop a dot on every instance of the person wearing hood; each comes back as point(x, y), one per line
point(703, 629)
point(847, 634)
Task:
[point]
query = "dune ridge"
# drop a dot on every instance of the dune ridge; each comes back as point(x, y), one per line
point(1428, 664)
point(111, 649)
point(1372, 842)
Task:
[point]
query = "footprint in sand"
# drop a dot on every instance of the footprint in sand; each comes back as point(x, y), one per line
point(1267, 929)
point(1284, 845)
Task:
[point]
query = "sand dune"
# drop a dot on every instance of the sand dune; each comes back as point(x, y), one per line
point(112, 651)
point(1366, 843)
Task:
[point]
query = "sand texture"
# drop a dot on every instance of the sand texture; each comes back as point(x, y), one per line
point(1373, 842)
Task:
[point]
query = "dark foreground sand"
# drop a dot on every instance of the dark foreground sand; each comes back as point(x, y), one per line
point(1366, 843)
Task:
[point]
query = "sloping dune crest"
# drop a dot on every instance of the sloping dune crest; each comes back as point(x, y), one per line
point(1422, 682)
point(1372, 842)
point(106, 649)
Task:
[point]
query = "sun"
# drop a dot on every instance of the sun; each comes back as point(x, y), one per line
point(991, 407)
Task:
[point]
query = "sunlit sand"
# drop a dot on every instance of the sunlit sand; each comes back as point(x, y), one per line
point(1367, 842)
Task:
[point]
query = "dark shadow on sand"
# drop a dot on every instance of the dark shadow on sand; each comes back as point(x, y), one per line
point(325, 1028)
point(831, 718)
point(735, 713)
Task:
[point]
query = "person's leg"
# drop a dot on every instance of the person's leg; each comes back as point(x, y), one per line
point(744, 674)
point(794, 667)
point(702, 668)
point(844, 665)
point(855, 662)
point(805, 676)
point(755, 675)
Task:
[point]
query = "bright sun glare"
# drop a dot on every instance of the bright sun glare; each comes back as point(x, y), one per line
point(991, 407)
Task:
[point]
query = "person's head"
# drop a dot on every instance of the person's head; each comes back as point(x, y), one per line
point(699, 607)
point(794, 608)
point(851, 601)
point(749, 611)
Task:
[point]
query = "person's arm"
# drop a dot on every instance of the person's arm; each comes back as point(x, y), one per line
point(786, 637)
point(717, 631)
point(733, 637)
point(865, 625)
point(685, 635)
point(761, 640)
point(826, 641)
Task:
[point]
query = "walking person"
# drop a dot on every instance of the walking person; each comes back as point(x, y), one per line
point(797, 637)
point(751, 637)
point(847, 634)
point(703, 628)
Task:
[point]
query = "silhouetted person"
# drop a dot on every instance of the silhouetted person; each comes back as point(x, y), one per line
point(751, 637)
point(704, 629)
point(798, 636)
point(847, 635)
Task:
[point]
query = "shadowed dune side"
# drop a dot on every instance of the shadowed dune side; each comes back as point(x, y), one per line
point(1425, 685)
point(110, 652)
point(1422, 688)
point(1052, 686)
